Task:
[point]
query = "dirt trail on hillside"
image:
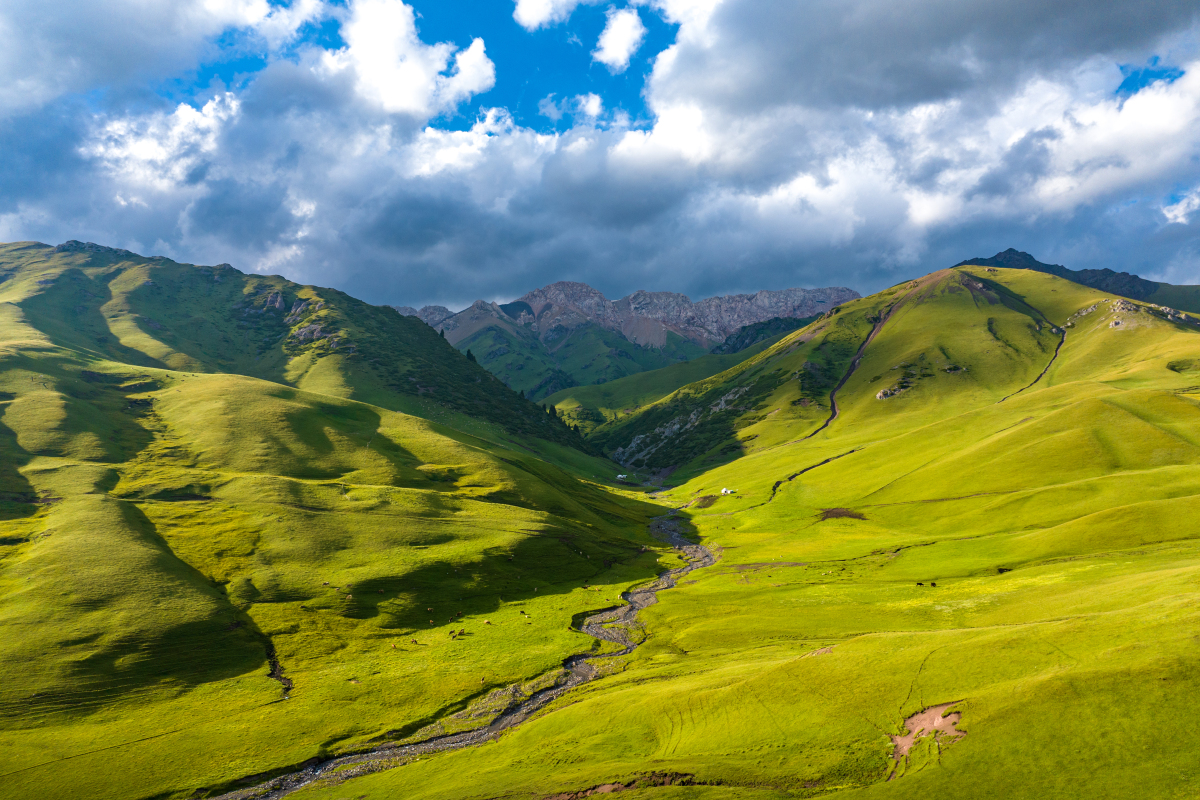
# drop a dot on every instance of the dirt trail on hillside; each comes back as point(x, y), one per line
point(1053, 358)
point(833, 408)
point(577, 669)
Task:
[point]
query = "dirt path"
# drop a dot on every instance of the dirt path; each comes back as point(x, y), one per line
point(577, 669)
point(833, 409)
point(1041, 374)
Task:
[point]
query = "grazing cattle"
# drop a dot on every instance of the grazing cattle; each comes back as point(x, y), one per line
point(931, 583)
point(414, 641)
point(487, 622)
point(430, 622)
point(429, 609)
point(462, 631)
point(393, 647)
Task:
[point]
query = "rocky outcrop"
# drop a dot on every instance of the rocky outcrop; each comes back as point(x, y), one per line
point(76, 246)
point(644, 318)
point(430, 315)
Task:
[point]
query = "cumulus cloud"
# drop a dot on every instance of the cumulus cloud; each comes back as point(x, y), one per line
point(852, 143)
point(534, 14)
point(399, 72)
point(1181, 211)
point(55, 48)
point(621, 38)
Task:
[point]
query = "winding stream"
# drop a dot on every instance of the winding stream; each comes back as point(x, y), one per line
point(577, 669)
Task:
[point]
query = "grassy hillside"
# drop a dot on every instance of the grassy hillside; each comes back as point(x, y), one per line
point(589, 407)
point(1007, 536)
point(152, 312)
point(586, 355)
point(207, 575)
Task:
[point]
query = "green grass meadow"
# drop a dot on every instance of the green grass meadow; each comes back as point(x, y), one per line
point(1011, 530)
point(1057, 525)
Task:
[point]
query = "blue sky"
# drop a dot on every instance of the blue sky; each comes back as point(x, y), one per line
point(440, 152)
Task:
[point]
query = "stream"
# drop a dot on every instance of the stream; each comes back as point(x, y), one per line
point(577, 669)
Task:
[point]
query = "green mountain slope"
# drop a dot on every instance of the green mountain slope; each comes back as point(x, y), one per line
point(1005, 536)
point(207, 575)
point(112, 304)
point(1126, 284)
point(584, 356)
point(589, 407)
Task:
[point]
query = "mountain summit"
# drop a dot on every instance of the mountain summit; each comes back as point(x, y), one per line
point(1122, 283)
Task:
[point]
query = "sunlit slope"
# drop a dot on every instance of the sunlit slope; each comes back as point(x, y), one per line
point(1022, 549)
point(592, 406)
point(154, 312)
point(165, 534)
point(206, 576)
point(946, 341)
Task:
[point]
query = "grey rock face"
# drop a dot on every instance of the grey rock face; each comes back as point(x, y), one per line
point(646, 317)
point(430, 315)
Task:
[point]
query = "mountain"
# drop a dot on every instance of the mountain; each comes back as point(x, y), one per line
point(154, 312)
point(223, 533)
point(977, 578)
point(757, 332)
point(589, 407)
point(1126, 284)
point(568, 334)
point(721, 418)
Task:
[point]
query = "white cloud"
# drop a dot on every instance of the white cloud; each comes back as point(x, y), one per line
point(782, 144)
point(621, 38)
point(56, 48)
point(397, 71)
point(156, 152)
point(533, 14)
point(1180, 212)
point(590, 106)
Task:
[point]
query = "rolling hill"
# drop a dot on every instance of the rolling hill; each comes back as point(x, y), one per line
point(225, 547)
point(976, 578)
point(946, 549)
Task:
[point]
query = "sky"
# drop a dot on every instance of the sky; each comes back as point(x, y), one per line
point(443, 151)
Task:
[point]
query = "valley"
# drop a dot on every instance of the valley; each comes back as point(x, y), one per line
point(263, 539)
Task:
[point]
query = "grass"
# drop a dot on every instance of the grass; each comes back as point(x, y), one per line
point(1010, 532)
point(591, 406)
point(583, 356)
point(1030, 559)
point(178, 532)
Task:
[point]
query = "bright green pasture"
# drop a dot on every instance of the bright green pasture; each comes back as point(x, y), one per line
point(1027, 552)
point(162, 532)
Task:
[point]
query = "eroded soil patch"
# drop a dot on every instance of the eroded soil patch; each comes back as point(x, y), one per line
point(932, 722)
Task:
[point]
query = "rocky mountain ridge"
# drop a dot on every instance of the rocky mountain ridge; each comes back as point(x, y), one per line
point(644, 318)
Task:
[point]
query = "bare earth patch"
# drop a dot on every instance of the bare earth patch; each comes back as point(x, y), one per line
point(840, 513)
point(821, 652)
point(933, 721)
